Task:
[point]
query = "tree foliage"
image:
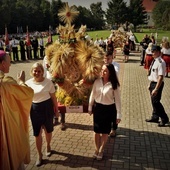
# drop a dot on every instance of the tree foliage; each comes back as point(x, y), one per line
point(137, 13)
point(116, 14)
point(98, 15)
point(84, 18)
point(38, 15)
point(161, 15)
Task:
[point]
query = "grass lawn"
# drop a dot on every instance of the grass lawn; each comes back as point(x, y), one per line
point(94, 34)
point(99, 34)
point(160, 33)
point(139, 36)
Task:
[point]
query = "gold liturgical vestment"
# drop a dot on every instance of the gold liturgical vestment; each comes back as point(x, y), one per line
point(15, 104)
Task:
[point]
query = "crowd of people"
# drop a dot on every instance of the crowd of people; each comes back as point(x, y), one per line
point(44, 105)
point(147, 55)
point(127, 45)
point(104, 100)
point(22, 48)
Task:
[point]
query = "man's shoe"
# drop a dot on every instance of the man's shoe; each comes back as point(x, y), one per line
point(55, 122)
point(152, 120)
point(162, 123)
point(63, 126)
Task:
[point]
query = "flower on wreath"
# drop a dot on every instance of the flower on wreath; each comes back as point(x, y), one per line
point(57, 79)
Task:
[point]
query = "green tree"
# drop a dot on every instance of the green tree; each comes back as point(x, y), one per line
point(98, 15)
point(55, 6)
point(116, 14)
point(21, 15)
point(137, 12)
point(47, 18)
point(161, 16)
point(85, 17)
point(5, 16)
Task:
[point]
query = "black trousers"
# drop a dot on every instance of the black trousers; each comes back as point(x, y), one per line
point(158, 109)
point(41, 51)
point(15, 53)
point(142, 57)
point(35, 51)
point(22, 50)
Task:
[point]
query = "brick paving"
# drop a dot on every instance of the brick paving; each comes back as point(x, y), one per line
point(138, 145)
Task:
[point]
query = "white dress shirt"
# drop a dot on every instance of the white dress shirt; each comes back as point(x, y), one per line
point(158, 69)
point(104, 94)
point(117, 67)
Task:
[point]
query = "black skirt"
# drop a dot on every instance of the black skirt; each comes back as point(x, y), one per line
point(102, 117)
point(42, 115)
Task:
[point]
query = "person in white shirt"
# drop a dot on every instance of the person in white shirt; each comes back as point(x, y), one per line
point(44, 105)
point(148, 57)
point(87, 37)
point(97, 42)
point(108, 59)
point(1, 44)
point(105, 101)
point(156, 77)
point(102, 43)
point(132, 42)
point(14, 44)
point(165, 53)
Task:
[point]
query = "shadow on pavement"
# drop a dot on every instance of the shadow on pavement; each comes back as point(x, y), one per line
point(141, 150)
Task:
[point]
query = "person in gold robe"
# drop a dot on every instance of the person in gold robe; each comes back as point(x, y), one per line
point(15, 104)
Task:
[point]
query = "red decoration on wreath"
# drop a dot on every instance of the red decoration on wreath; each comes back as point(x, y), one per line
point(68, 14)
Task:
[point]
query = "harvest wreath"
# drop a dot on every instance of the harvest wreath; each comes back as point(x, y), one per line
point(74, 62)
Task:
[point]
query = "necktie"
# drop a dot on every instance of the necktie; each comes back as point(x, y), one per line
point(150, 69)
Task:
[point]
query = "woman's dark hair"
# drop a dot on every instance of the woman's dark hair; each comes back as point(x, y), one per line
point(113, 76)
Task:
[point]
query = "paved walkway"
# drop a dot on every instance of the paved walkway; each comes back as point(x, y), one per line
point(138, 145)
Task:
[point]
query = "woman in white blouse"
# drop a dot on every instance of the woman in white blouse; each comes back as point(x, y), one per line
point(44, 105)
point(148, 57)
point(166, 56)
point(105, 100)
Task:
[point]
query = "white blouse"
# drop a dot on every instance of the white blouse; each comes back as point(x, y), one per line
point(42, 89)
point(148, 51)
point(104, 94)
point(165, 51)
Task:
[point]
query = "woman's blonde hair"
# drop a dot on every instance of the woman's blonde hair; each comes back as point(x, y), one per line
point(150, 46)
point(167, 45)
point(35, 65)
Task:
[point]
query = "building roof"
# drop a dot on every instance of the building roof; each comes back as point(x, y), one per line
point(149, 5)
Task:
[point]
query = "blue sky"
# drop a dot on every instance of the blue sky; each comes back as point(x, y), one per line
point(87, 3)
